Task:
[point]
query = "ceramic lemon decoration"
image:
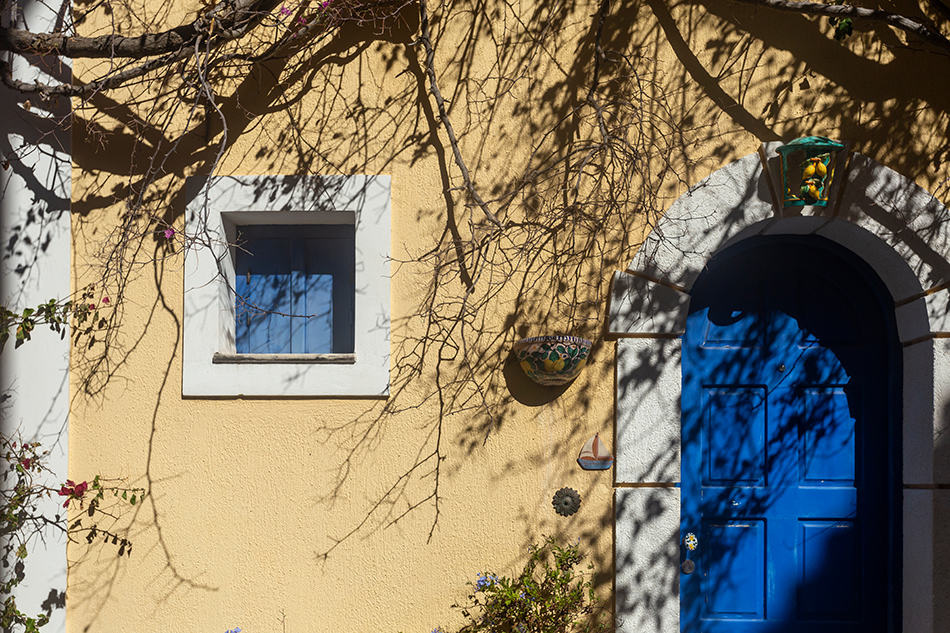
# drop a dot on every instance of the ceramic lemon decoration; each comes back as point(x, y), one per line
point(552, 360)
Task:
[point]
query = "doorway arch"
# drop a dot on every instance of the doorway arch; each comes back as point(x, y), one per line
point(903, 235)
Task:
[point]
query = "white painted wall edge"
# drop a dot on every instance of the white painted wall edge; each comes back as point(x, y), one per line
point(35, 193)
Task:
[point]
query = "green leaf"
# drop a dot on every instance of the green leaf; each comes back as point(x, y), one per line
point(125, 495)
point(843, 29)
point(21, 551)
point(132, 500)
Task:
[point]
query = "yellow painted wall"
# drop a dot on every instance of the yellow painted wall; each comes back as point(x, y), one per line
point(319, 514)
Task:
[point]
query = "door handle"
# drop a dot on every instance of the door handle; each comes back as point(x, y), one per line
point(691, 543)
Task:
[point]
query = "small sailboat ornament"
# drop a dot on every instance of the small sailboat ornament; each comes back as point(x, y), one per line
point(594, 455)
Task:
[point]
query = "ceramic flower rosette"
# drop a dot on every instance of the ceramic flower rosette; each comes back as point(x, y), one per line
point(552, 360)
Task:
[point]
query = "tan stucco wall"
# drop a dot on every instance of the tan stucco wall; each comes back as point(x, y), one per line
point(245, 495)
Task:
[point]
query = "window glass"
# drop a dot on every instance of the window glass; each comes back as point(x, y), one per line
point(295, 289)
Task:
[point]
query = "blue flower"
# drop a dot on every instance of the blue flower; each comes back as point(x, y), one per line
point(485, 581)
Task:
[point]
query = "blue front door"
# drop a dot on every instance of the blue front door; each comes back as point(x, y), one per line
point(787, 460)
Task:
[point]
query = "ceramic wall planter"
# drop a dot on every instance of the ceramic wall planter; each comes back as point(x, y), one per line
point(552, 360)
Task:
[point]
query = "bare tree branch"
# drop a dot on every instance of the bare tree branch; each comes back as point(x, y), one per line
point(896, 20)
point(233, 20)
point(82, 90)
point(426, 39)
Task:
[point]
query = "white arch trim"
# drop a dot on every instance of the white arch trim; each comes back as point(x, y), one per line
point(903, 233)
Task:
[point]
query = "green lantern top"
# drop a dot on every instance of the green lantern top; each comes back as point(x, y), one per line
point(807, 170)
point(808, 144)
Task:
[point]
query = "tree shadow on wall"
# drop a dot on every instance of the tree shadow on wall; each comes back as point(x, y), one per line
point(874, 90)
point(611, 135)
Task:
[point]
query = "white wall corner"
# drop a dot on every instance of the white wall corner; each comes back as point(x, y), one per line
point(941, 416)
point(938, 310)
point(925, 316)
point(639, 306)
point(941, 563)
point(35, 231)
point(649, 381)
point(918, 562)
point(918, 412)
point(646, 560)
point(913, 322)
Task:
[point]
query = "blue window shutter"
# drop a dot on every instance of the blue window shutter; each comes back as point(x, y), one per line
point(328, 282)
point(307, 271)
point(263, 281)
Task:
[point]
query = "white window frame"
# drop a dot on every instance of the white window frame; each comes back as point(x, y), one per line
point(217, 205)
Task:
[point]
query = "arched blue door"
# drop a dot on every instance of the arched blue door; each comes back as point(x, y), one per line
point(789, 449)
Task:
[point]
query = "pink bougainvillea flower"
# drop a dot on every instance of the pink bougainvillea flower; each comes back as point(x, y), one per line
point(169, 233)
point(26, 462)
point(64, 492)
point(285, 11)
point(105, 299)
point(73, 491)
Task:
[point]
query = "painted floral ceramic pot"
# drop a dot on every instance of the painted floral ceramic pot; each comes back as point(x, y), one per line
point(552, 360)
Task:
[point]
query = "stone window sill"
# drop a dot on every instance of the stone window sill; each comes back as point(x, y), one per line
point(288, 359)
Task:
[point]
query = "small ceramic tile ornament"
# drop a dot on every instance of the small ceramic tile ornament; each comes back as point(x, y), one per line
point(595, 455)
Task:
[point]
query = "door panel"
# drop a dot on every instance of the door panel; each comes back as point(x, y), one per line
point(735, 449)
point(829, 581)
point(735, 570)
point(826, 433)
point(784, 449)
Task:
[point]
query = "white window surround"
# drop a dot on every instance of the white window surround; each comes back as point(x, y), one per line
point(885, 219)
point(217, 205)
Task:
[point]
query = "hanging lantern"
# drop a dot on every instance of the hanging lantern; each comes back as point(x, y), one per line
point(807, 170)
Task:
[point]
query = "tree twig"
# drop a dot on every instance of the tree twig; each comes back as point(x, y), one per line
point(426, 39)
point(896, 20)
point(233, 20)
